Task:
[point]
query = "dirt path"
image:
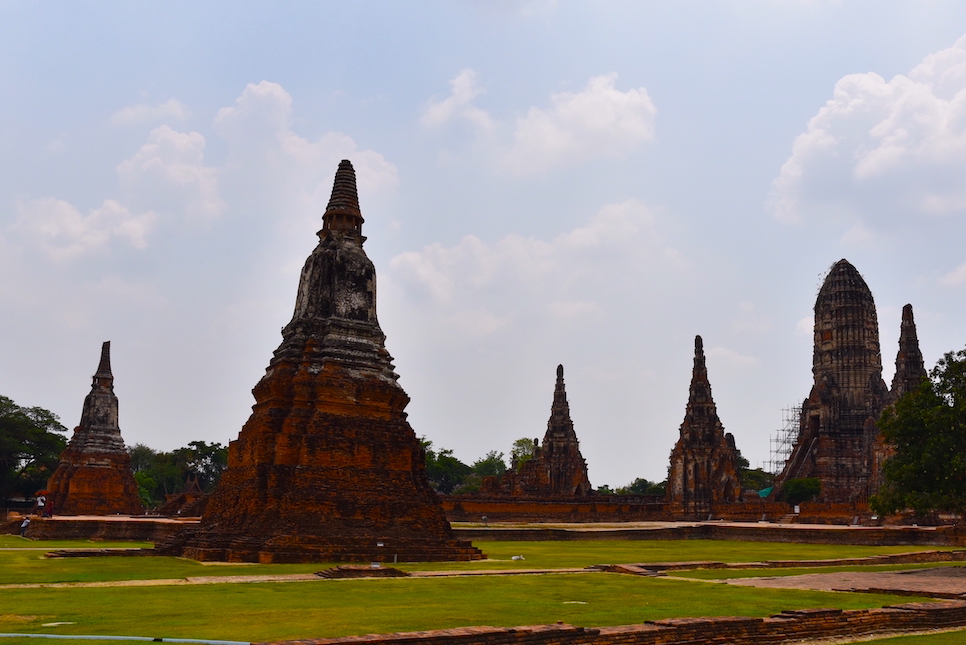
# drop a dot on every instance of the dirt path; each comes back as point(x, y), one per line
point(940, 582)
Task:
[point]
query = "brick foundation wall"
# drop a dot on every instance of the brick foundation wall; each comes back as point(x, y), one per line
point(780, 628)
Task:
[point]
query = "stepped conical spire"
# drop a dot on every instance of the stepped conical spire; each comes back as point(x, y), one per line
point(560, 423)
point(703, 468)
point(94, 476)
point(910, 368)
point(104, 367)
point(343, 214)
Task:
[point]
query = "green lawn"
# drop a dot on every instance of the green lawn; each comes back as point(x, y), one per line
point(325, 608)
point(343, 607)
point(17, 542)
point(29, 566)
point(947, 638)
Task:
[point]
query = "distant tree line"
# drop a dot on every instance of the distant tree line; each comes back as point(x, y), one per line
point(160, 473)
point(31, 440)
point(450, 476)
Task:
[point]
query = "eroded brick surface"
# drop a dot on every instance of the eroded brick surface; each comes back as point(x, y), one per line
point(94, 475)
point(327, 468)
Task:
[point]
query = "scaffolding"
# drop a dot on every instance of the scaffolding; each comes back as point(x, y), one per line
point(783, 442)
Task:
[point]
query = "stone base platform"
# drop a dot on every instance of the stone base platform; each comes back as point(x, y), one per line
point(292, 549)
point(127, 528)
point(739, 531)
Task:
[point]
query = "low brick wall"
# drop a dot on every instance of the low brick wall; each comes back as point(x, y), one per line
point(763, 532)
point(134, 529)
point(780, 628)
point(588, 509)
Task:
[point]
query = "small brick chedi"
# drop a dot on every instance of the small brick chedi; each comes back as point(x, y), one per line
point(557, 469)
point(704, 468)
point(94, 475)
point(327, 468)
point(838, 441)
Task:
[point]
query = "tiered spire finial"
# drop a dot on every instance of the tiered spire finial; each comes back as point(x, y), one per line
point(104, 367)
point(343, 214)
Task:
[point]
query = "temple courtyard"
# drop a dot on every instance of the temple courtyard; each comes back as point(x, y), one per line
point(554, 583)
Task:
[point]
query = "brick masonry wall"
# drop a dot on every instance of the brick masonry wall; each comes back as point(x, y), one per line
point(733, 630)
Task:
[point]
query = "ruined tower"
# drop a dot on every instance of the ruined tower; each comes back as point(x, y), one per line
point(910, 368)
point(704, 468)
point(327, 468)
point(838, 432)
point(557, 469)
point(94, 475)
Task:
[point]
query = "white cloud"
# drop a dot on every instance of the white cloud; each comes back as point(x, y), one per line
point(882, 149)
point(520, 277)
point(956, 277)
point(600, 121)
point(172, 109)
point(458, 105)
point(64, 232)
point(258, 127)
point(731, 357)
point(749, 320)
point(168, 172)
point(805, 326)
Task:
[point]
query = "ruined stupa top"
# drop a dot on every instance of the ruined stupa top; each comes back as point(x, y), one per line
point(98, 431)
point(910, 368)
point(343, 215)
point(846, 353)
point(335, 309)
point(701, 424)
point(560, 426)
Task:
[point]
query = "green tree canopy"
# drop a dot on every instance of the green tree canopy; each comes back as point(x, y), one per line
point(491, 465)
point(31, 440)
point(522, 451)
point(927, 431)
point(444, 470)
point(161, 473)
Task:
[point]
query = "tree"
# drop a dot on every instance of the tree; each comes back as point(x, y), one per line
point(641, 486)
point(31, 441)
point(445, 471)
point(162, 473)
point(801, 490)
point(926, 429)
point(522, 451)
point(490, 466)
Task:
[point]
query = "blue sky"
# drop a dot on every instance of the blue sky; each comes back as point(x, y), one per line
point(581, 183)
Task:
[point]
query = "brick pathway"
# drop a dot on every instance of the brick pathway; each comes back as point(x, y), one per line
point(940, 582)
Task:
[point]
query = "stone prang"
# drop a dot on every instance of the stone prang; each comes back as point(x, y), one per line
point(94, 475)
point(556, 469)
point(839, 442)
point(704, 467)
point(327, 468)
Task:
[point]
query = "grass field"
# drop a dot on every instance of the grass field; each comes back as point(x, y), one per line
point(326, 608)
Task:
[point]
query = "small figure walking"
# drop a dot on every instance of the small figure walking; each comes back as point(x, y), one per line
point(41, 502)
point(23, 527)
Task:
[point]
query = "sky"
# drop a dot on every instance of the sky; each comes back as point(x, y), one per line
point(584, 183)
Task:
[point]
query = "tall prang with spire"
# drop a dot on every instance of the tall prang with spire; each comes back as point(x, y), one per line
point(327, 468)
point(704, 465)
point(94, 476)
point(838, 432)
point(556, 469)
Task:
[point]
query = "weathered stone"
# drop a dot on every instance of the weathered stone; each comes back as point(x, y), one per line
point(556, 469)
point(839, 442)
point(327, 468)
point(910, 368)
point(94, 475)
point(704, 468)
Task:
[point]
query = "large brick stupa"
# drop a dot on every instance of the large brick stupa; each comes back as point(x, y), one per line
point(94, 475)
point(327, 468)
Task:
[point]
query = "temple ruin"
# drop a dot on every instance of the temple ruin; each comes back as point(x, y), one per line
point(556, 469)
point(94, 475)
point(327, 468)
point(704, 467)
point(838, 440)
